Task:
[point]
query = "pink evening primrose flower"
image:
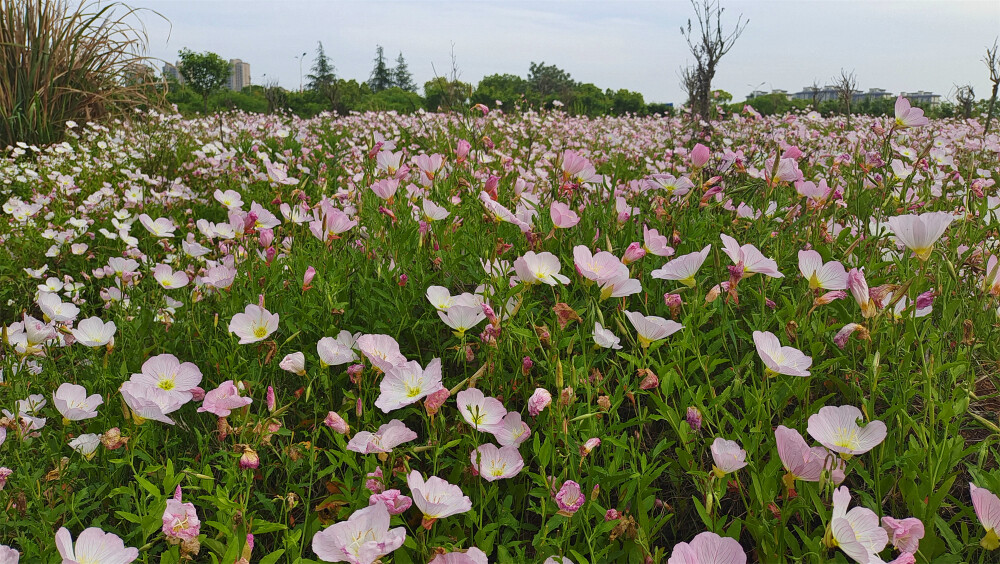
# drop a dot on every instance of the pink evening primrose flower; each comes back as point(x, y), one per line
point(652, 328)
point(829, 276)
point(93, 546)
point(904, 534)
point(169, 279)
point(222, 400)
point(750, 258)
point(655, 244)
point(511, 431)
point(920, 232)
point(388, 437)
point(93, 332)
point(539, 400)
point(537, 268)
point(562, 216)
point(381, 350)
point(837, 429)
point(987, 506)
point(408, 383)
point(148, 402)
point(570, 498)
point(859, 289)
point(9, 555)
point(728, 456)
point(908, 116)
point(166, 372)
point(708, 548)
point(180, 520)
point(471, 556)
point(253, 325)
point(436, 498)
point(334, 352)
point(493, 463)
point(683, 268)
point(605, 338)
point(295, 363)
point(856, 532)
point(394, 501)
point(480, 411)
point(74, 404)
point(778, 359)
point(805, 463)
point(362, 539)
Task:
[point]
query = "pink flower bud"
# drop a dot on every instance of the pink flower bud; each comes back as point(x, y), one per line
point(693, 418)
point(699, 155)
point(612, 515)
point(336, 422)
point(266, 237)
point(633, 253)
point(526, 364)
point(538, 401)
point(374, 481)
point(308, 278)
point(197, 393)
point(589, 446)
point(270, 399)
point(434, 401)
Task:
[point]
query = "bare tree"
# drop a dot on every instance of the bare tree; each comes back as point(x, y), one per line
point(992, 61)
point(815, 94)
point(689, 83)
point(965, 97)
point(845, 85)
point(708, 44)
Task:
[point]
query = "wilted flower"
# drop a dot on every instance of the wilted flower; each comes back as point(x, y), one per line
point(904, 534)
point(394, 501)
point(570, 498)
point(180, 520)
point(588, 446)
point(539, 400)
point(693, 418)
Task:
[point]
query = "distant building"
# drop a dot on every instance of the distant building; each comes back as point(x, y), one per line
point(817, 94)
point(923, 98)
point(138, 73)
point(239, 74)
point(172, 72)
point(759, 93)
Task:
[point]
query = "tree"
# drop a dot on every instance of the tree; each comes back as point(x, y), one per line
point(966, 97)
point(322, 76)
point(381, 77)
point(204, 72)
point(708, 44)
point(401, 77)
point(993, 63)
point(845, 85)
point(549, 80)
point(507, 89)
point(443, 94)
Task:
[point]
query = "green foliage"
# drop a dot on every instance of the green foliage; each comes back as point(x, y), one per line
point(510, 90)
point(322, 76)
point(446, 95)
point(204, 73)
point(394, 99)
point(381, 77)
point(401, 77)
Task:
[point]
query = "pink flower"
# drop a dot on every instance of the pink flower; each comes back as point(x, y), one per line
point(857, 531)
point(920, 232)
point(74, 404)
point(750, 258)
point(436, 498)
point(570, 498)
point(9, 555)
point(907, 116)
point(388, 436)
point(987, 507)
point(334, 352)
point(336, 422)
point(166, 372)
point(408, 383)
point(539, 400)
point(93, 546)
point(364, 538)
point(904, 534)
point(778, 359)
point(652, 328)
point(482, 412)
point(148, 402)
point(180, 520)
point(829, 276)
point(605, 338)
point(253, 325)
point(294, 363)
point(562, 216)
point(374, 481)
point(434, 401)
point(708, 548)
point(393, 500)
point(381, 350)
point(493, 463)
point(511, 431)
point(93, 332)
point(728, 456)
point(683, 268)
point(5, 474)
point(655, 244)
point(471, 556)
point(804, 463)
point(589, 446)
point(537, 268)
point(222, 400)
point(859, 289)
point(307, 278)
point(633, 253)
point(837, 429)
point(699, 155)
point(168, 278)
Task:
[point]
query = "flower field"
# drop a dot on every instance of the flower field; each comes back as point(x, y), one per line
point(482, 337)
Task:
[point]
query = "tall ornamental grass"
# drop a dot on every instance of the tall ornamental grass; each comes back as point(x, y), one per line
point(59, 63)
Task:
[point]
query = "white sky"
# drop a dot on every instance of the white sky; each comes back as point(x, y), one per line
point(899, 45)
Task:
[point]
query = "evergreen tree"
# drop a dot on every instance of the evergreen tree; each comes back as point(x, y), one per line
point(322, 76)
point(381, 77)
point(401, 77)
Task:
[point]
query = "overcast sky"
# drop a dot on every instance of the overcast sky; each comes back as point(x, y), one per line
point(899, 46)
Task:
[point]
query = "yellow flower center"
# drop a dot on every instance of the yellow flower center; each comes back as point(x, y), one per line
point(260, 332)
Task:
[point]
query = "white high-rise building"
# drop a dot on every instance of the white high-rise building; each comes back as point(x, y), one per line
point(239, 74)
